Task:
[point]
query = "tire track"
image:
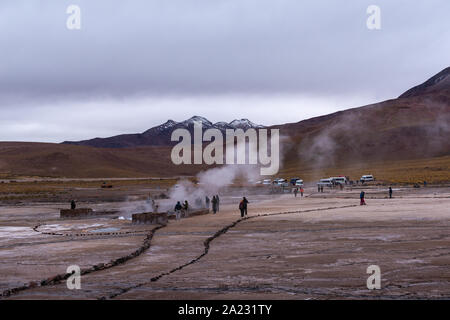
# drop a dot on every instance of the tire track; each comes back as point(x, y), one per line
point(98, 267)
point(207, 244)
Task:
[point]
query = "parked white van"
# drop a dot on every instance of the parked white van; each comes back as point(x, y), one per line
point(280, 181)
point(325, 182)
point(299, 183)
point(367, 178)
point(267, 181)
point(340, 180)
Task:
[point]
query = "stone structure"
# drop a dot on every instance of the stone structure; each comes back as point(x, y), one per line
point(150, 218)
point(76, 213)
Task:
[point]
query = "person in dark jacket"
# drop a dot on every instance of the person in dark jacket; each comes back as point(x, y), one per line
point(218, 202)
point(178, 208)
point(245, 201)
point(361, 197)
point(214, 204)
point(207, 202)
point(390, 193)
point(241, 208)
point(73, 205)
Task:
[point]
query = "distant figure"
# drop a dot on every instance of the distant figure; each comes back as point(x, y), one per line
point(318, 188)
point(73, 205)
point(301, 191)
point(341, 186)
point(361, 197)
point(321, 189)
point(424, 183)
point(178, 208)
point(245, 201)
point(186, 205)
point(214, 204)
point(207, 202)
point(241, 208)
point(295, 192)
point(218, 202)
point(390, 193)
point(155, 206)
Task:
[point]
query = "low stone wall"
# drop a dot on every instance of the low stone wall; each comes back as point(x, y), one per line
point(76, 213)
point(149, 218)
point(189, 213)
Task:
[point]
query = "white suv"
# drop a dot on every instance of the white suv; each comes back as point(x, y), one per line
point(325, 182)
point(367, 178)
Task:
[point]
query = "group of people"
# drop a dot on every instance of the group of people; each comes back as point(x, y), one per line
point(320, 188)
point(363, 194)
point(181, 207)
point(296, 191)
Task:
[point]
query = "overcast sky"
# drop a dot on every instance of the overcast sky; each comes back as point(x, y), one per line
point(135, 64)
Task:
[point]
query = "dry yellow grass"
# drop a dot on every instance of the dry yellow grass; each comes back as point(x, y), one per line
point(434, 170)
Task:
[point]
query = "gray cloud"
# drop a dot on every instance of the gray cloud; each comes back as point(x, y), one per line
point(139, 50)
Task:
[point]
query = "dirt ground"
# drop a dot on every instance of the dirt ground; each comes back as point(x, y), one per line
point(315, 247)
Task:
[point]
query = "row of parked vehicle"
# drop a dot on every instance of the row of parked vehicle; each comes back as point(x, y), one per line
point(333, 181)
point(283, 182)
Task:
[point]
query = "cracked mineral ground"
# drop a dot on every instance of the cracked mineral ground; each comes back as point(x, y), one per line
point(315, 247)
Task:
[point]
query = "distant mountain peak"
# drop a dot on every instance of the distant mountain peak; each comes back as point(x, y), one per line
point(193, 119)
point(160, 135)
point(244, 124)
point(437, 82)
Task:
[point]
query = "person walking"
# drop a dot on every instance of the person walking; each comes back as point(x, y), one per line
point(245, 205)
point(178, 208)
point(241, 208)
point(73, 205)
point(207, 202)
point(301, 191)
point(390, 193)
point(218, 202)
point(214, 204)
point(295, 192)
point(361, 197)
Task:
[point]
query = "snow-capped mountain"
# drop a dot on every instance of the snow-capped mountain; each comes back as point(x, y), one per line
point(160, 135)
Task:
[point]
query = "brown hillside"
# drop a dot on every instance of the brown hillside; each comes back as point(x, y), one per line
point(59, 160)
point(414, 128)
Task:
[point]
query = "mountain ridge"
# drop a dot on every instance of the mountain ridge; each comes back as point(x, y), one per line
point(407, 135)
point(160, 135)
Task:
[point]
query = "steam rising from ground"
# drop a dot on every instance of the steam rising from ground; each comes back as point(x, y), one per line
point(210, 182)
